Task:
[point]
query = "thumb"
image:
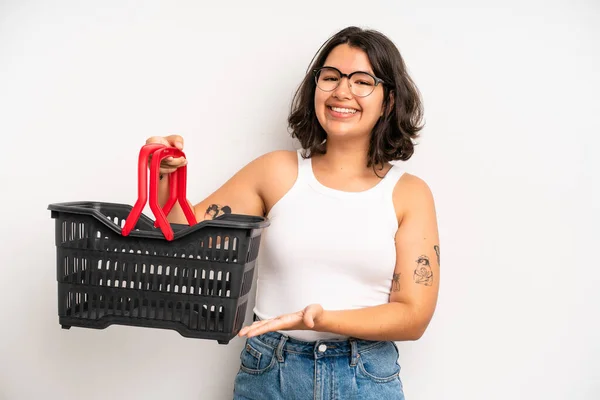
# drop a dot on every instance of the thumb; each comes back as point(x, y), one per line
point(158, 140)
point(309, 315)
point(175, 141)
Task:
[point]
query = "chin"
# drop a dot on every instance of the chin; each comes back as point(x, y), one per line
point(343, 134)
point(346, 130)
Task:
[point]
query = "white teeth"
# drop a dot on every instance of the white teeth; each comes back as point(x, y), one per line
point(344, 110)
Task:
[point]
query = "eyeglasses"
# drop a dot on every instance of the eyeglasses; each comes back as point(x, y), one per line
point(361, 83)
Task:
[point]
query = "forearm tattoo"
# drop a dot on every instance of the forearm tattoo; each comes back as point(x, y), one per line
point(437, 252)
point(396, 283)
point(215, 210)
point(423, 273)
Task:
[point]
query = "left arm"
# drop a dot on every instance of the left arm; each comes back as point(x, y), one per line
point(414, 284)
point(415, 281)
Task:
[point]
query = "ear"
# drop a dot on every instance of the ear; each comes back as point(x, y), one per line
point(390, 105)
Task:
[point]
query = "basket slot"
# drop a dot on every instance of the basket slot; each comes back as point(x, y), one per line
point(189, 286)
point(202, 250)
point(131, 284)
point(76, 270)
point(115, 305)
point(76, 302)
point(138, 277)
point(182, 274)
point(124, 302)
point(154, 275)
point(179, 312)
point(205, 280)
point(91, 306)
point(196, 282)
point(121, 267)
point(193, 316)
point(215, 244)
point(165, 310)
point(134, 307)
point(152, 314)
point(145, 281)
point(212, 318)
point(218, 275)
point(143, 311)
point(218, 247)
point(149, 277)
point(224, 292)
point(163, 278)
point(72, 230)
point(117, 220)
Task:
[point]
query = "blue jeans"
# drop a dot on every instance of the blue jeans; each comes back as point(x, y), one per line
point(275, 366)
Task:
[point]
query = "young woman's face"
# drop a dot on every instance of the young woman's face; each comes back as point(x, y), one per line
point(340, 112)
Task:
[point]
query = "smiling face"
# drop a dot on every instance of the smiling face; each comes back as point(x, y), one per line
point(341, 113)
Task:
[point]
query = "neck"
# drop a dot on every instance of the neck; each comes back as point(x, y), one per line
point(347, 156)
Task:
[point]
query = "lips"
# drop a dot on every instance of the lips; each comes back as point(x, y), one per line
point(339, 112)
point(343, 110)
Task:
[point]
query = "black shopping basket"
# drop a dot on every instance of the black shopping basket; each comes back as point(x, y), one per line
point(117, 266)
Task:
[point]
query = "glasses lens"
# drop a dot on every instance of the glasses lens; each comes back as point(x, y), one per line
point(328, 79)
point(362, 84)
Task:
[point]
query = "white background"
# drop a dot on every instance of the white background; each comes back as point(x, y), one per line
point(510, 91)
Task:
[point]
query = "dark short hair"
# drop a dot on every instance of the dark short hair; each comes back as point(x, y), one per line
point(392, 136)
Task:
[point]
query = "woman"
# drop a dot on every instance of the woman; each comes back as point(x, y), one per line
point(350, 262)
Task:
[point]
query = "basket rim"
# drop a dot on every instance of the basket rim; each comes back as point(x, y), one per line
point(92, 208)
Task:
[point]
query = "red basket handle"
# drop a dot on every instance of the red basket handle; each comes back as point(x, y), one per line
point(177, 192)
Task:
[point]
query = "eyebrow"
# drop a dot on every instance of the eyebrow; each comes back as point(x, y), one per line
point(365, 72)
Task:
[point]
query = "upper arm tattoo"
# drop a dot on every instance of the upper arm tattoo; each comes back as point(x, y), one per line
point(437, 252)
point(215, 210)
point(396, 283)
point(423, 273)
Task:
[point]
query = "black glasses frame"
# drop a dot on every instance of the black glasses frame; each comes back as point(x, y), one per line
point(349, 76)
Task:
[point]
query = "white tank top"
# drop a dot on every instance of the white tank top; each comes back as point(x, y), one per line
point(329, 247)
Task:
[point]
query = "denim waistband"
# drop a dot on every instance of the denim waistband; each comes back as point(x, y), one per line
point(320, 348)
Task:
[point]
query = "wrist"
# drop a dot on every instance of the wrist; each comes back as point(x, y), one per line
point(322, 322)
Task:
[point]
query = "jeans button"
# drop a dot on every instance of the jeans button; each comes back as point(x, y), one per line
point(322, 348)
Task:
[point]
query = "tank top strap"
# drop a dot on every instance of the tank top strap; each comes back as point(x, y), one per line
point(391, 178)
point(304, 167)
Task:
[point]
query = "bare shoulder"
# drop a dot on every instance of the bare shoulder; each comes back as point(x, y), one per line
point(279, 171)
point(277, 165)
point(270, 164)
point(412, 194)
point(279, 158)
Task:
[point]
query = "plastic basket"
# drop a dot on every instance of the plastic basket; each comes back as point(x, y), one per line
point(117, 266)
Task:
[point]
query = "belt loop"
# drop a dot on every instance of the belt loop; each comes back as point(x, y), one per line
point(354, 353)
point(279, 351)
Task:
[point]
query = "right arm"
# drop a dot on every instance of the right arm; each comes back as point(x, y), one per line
point(243, 193)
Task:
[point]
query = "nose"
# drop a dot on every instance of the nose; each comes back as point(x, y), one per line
point(342, 91)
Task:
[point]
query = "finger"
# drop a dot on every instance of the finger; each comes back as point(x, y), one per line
point(175, 162)
point(167, 170)
point(283, 322)
point(258, 324)
point(175, 141)
point(157, 140)
point(260, 327)
point(247, 328)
